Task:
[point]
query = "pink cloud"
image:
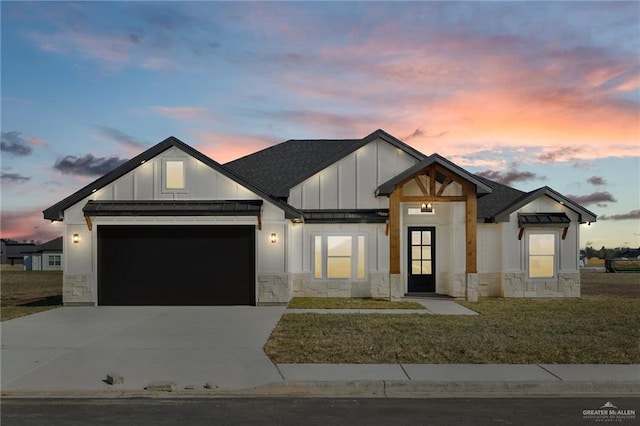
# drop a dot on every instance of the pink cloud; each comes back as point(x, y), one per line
point(29, 225)
point(225, 147)
point(38, 141)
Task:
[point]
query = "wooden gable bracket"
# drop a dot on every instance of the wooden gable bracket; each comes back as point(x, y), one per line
point(520, 233)
point(421, 185)
point(432, 180)
point(386, 229)
point(89, 224)
point(259, 222)
point(444, 185)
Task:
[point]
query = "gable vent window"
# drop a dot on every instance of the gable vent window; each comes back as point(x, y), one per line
point(174, 175)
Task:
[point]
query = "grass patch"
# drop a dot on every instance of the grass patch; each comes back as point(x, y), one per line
point(28, 292)
point(591, 330)
point(348, 303)
point(600, 283)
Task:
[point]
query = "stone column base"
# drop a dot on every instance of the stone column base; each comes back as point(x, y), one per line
point(472, 287)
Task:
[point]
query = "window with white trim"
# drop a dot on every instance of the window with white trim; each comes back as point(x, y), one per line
point(55, 260)
point(339, 256)
point(174, 176)
point(542, 253)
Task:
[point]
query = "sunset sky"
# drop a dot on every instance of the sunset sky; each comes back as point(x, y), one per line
point(529, 94)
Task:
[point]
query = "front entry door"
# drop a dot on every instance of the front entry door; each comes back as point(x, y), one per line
point(422, 261)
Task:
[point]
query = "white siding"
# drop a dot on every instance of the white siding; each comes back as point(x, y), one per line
point(514, 253)
point(489, 248)
point(145, 183)
point(301, 249)
point(351, 182)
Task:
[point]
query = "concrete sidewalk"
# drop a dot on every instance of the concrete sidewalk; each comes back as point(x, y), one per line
point(69, 352)
point(432, 306)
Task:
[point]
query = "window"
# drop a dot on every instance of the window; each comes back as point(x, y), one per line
point(55, 260)
point(542, 255)
point(339, 257)
point(174, 174)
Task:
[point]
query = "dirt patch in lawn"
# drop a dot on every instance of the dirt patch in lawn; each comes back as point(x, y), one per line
point(600, 283)
point(28, 292)
point(591, 330)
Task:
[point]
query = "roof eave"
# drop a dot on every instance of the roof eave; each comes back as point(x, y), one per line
point(584, 215)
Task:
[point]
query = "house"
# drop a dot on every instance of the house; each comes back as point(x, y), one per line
point(368, 217)
point(631, 254)
point(44, 257)
point(11, 251)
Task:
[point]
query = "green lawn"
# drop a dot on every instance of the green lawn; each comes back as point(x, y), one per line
point(348, 303)
point(594, 329)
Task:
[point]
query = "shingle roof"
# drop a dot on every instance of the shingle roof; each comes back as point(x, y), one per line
point(173, 208)
point(500, 197)
point(279, 168)
point(53, 245)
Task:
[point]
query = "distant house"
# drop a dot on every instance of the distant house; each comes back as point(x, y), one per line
point(370, 217)
point(631, 254)
point(11, 251)
point(44, 257)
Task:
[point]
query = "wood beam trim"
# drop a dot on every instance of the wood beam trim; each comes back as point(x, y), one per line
point(421, 185)
point(471, 229)
point(259, 222)
point(432, 180)
point(394, 233)
point(419, 199)
point(521, 232)
point(89, 224)
point(448, 173)
point(564, 232)
point(444, 185)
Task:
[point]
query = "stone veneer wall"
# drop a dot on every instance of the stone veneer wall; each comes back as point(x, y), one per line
point(376, 286)
point(274, 289)
point(77, 290)
point(453, 285)
point(472, 287)
point(490, 284)
point(516, 284)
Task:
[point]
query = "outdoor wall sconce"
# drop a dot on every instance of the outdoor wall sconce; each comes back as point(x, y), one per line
point(426, 208)
point(273, 238)
point(76, 238)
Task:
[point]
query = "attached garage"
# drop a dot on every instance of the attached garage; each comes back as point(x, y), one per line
point(176, 265)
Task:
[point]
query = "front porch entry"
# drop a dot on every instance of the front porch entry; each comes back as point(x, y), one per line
point(421, 259)
point(431, 182)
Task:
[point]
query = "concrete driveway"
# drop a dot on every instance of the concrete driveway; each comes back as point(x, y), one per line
point(74, 348)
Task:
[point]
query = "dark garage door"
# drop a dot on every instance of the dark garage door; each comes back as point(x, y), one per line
point(176, 265)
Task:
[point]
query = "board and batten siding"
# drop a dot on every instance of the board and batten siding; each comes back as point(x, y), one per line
point(514, 253)
point(145, 183)
point(351, 182)
point(301, 244)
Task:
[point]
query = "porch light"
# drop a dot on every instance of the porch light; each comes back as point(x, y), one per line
point(426, 208)
point(76, 238)
point(273, 238)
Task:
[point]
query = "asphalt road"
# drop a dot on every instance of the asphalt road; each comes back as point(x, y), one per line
point(310, 411)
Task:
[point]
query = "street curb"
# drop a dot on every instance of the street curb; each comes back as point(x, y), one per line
point(365, 389)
